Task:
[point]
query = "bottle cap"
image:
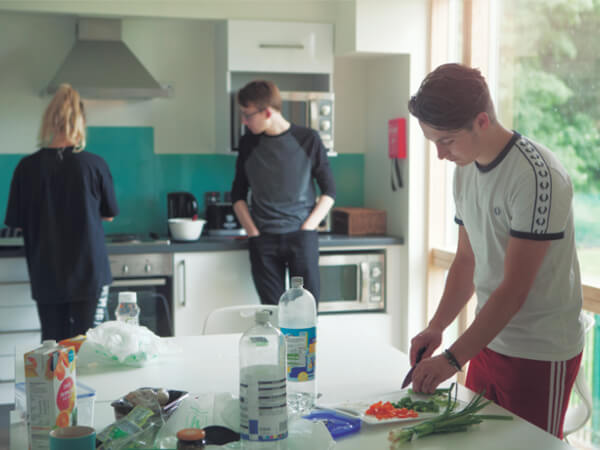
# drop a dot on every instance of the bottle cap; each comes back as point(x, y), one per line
point(263, 316)
point(191, 434)
point(297, 282)
point(127, 297)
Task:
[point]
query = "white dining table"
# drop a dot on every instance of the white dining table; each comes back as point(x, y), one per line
point(349, 368)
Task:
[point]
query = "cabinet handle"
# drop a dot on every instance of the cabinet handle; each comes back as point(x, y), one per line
point(287, 46)
point(182, 288)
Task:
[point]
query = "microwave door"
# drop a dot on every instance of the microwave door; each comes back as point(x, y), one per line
point(295, 111)
point(312, 118)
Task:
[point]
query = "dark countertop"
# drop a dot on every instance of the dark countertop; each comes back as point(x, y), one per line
point(211, 244)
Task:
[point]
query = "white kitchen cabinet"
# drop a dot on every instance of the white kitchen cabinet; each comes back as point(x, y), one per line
point(205, 281)
point(258, 46)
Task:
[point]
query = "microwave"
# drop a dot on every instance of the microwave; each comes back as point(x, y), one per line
point(352, 281)
point(309, 109)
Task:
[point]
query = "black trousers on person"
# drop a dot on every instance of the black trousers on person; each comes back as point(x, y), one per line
point(270, 254)
point(63, 320)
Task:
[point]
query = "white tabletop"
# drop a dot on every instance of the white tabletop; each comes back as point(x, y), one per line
point(348, 368)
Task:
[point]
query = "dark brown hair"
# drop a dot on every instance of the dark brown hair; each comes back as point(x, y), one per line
point(260, 93)
point(451, 97)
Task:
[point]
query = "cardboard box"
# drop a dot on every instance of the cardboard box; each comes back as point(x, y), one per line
point(51, 391)
point(359, 221)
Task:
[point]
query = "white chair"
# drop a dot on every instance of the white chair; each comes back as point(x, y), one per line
point(235, 319)
point(577, 416)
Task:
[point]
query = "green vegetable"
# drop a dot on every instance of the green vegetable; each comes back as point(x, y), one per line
point(449, 421)
point(432, 404)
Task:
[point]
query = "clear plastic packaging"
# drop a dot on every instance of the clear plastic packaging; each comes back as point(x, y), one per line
point(263, 409)
point(127, 310)
point(298, 323)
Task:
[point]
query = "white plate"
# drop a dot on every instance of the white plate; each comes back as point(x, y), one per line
point(358, 408)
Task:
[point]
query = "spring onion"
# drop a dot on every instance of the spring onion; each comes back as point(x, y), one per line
point(449, 421)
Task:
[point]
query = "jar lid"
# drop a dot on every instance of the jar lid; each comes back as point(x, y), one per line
point(191, 434)
point(127, 297)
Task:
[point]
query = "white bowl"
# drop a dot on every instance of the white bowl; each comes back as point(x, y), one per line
point(185, 228)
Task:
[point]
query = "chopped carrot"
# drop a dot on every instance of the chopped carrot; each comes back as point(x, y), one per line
point(386, 410)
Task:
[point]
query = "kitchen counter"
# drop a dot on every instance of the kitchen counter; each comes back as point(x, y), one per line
point(208, 243)
point(349, 368)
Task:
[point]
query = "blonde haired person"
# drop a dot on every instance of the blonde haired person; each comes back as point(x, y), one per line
point(59, 196)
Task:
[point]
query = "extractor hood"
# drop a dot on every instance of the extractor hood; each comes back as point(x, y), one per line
point(101, 66)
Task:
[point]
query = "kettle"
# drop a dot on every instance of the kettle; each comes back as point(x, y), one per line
point(181, 204)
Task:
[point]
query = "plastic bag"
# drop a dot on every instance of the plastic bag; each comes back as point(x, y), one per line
point(200, 410)
point(122, 343)
point(137, 429)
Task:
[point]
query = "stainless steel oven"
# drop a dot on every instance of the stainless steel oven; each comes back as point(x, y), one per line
point(352, 281)
point(150, 276)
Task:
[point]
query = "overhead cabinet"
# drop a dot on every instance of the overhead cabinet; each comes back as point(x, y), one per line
point(295, 56)
point(279, 47)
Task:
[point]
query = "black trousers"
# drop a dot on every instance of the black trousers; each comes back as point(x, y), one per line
point(63, 320)
point(270, 254)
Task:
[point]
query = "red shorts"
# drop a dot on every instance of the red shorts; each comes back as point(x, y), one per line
point(537, 391)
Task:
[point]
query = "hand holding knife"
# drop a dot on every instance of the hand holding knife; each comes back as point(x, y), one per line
point(408, 377)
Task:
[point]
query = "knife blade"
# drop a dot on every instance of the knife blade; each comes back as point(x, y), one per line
point(408, 377)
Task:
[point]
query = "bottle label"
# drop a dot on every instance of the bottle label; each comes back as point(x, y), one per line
point(301, 353)
point(263, 406)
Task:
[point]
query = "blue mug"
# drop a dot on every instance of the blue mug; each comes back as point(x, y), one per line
point(73, 438)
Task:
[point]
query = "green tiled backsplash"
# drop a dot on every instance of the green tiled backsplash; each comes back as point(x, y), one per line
point(143, 179)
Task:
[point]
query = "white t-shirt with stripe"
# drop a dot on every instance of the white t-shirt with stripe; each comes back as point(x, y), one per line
point(525, 193)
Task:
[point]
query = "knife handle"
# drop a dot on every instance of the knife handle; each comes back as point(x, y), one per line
point(420, 354)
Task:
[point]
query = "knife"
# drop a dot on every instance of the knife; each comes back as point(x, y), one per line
point(408, 377)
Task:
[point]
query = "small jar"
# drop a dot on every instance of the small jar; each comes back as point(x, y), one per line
point(190, 439)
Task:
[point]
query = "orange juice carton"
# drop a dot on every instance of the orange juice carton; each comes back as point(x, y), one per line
point(75, 341)
point(51, 392)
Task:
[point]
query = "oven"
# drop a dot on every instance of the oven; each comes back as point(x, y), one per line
point(150, 276)
point(352, 281)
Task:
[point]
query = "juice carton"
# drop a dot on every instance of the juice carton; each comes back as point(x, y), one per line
point(75, 341)
point(50, 389)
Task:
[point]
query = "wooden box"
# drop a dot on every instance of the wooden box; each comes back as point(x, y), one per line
point(358, 221)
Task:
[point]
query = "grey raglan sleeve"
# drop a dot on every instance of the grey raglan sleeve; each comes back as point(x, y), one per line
point(322, 170)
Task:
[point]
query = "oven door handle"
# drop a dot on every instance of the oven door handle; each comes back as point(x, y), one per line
point(181, 266)
point(135, 282)
point(364, 282)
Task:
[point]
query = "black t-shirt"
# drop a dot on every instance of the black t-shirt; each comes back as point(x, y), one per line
point(279, 170)
point(58, 197)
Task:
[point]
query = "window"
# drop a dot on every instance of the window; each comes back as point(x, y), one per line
point(541, 62)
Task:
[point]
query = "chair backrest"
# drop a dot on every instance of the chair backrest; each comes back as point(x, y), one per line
point(578, 415)
point(236, 319)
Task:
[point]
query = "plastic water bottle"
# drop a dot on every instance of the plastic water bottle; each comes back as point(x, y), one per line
point(263, 409)
point(101, 309)
point(298, 323)
point(127, 310)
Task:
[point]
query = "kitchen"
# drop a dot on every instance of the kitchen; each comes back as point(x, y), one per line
point(174, 144)
point(164, 145)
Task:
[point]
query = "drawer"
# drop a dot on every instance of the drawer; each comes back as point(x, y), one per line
point(25, 339)
point(13, 269)
point(294, 47)
point(16, 294)
point(19, 318)
point(7, 368)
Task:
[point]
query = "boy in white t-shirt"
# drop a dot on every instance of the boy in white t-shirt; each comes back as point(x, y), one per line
point(516, 251)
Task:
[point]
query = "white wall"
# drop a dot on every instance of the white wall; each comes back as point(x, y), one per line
point(401, 27)
point(31, 47)
point(349, 82)
point(181, 53)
